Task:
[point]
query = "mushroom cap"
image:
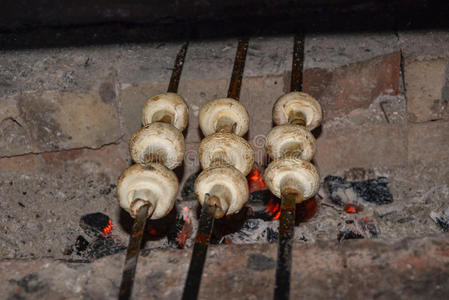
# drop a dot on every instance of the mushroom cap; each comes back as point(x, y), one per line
point(230, 148)
point(158, 142)
point(226, 108)
point(301, 172)
point(170, 102)
point(150, 183)
point(297, 102)
point(283, 140)
point(228, 179)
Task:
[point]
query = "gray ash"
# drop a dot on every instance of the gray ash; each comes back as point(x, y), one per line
point(372, 190)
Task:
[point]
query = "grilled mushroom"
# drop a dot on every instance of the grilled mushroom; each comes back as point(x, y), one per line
point(226, 183)
point(226, 149)
point(292, 173)
point(168, 108)
point(224, 115)
point(297, 108)
point(290, 141)
point(151, 184)
point(158, 142)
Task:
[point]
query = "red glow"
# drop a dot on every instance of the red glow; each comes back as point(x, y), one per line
point(108, 228)
point(152, 231)
point(352, 209)
point(255, 180)
point(186, 230)
point(306, 210)
point(274, 209)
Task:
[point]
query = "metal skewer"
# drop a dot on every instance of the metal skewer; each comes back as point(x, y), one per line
point(289, 197)
point(207, 217)
point(135, 240)
point(132, 254)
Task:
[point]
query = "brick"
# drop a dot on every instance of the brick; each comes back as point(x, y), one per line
point(133, 98)
point(107, 159)
point(376, 146)
point(19, 164)
point(344, 89)
point(49, 121)
point(197, 93)
point(258, 95)
point(428, 143)
point(427, 89)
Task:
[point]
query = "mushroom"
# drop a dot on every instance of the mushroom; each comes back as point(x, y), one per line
point(158, 142)
point(227, 184)
point(151, 184)
point(168, 108)
point(226, 149)
point(297, 108)
point(224, 115)
point(290, 141)
point(292, 174)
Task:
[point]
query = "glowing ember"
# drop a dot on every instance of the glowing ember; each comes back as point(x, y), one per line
point(152, 231)
point(108, 228)
point(274, 208)
point(352, 209)
point(186, 230)
point(255, 180)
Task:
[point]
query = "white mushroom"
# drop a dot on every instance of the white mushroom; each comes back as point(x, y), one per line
point(292, 173)
point(226, 149)
point(297, 108)
point(147, 184)
point(158, 142)
point(290, 141)
point(168, 108)
point(224, 115)
point(226, 183)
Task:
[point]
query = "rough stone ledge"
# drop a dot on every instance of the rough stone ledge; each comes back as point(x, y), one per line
point(404, 269)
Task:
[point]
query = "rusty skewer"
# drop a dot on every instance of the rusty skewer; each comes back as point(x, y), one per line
point(135, 240)
point(288, 199)
point(202, 240)
point(209, 209)
point(132, 253)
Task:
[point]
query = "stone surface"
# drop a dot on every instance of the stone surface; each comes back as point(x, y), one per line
point(427, 89)
point(380, 145)
point(331, 51)
point(52, 120)
point(428, 44)
point(428, 143)
point(354, 86)
point(405, 269)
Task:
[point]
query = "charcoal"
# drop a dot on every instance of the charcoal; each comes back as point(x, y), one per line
point(441, 219)
point(373, 190)
point(93, 224)
point(187, 189)
point(348, 235)
point(103, 247)
point(81, 245)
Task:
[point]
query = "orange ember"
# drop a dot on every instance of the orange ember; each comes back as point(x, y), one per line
point(107, 230)
point(255, 181)
point(352, 209)
point(274, 208)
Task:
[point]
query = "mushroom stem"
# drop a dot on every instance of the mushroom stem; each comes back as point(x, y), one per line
point(163, 116)
point(220, 197)
point(225, 125)
point(291, 188)
point(297, 118)
point(143, 198)
point(219, 158)
point(291, 150)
